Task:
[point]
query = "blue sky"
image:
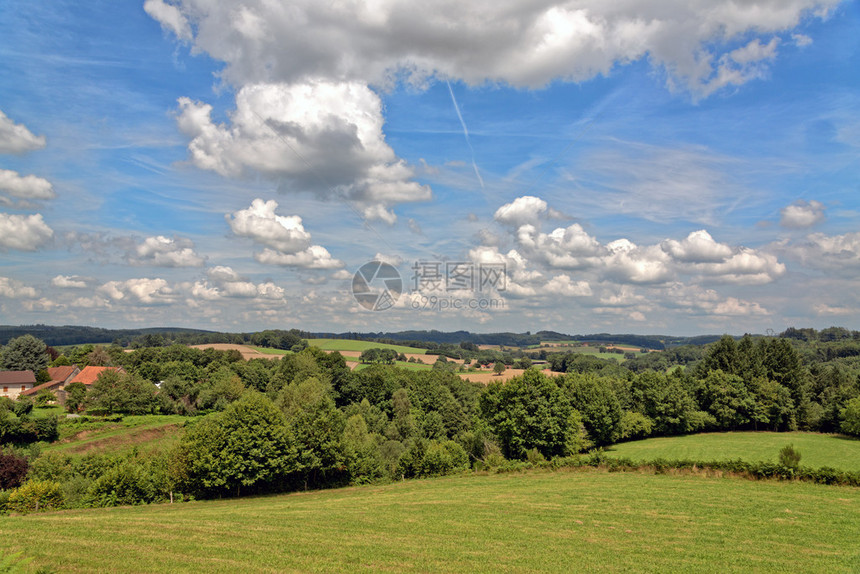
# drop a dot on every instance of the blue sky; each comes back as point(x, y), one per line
point(652, 167)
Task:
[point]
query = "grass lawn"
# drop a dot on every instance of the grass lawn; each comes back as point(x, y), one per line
point(268, 351)
point(353, 345)
point(401, 364)
point(48, 411)
point(148, 432)
point(534, 522)
point(816, 449)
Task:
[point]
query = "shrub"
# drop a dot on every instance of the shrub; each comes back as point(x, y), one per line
point(13, 469)
point(128, 483)
point(36, 496)
point(789, 457)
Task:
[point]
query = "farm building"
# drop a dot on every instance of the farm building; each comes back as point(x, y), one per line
point(13, 383)
point(88, 375)
point(60, 377)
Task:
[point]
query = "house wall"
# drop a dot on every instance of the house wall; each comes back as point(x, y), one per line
point(12, 390)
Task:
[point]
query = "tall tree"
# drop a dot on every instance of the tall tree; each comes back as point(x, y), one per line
point(247, 445)
point(25, 353)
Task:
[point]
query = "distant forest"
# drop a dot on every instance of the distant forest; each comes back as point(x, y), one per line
point(163, 336)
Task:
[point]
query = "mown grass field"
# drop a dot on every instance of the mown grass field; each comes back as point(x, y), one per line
point(145, 432)
point(269, 351)
point(817, 450)
point(352, 345)
point(401, 364)
point(540, 521)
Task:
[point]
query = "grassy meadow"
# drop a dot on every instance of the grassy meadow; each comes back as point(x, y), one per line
point(145, 432)
point(353, 345)
point(817, 450)
point(538, 521)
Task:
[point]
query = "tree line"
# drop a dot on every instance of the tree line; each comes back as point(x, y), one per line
point(308, 421)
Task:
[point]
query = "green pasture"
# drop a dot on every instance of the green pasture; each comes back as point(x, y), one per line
point(539, 521)
point(148, 432)
point(817, 450)
point(353, 345)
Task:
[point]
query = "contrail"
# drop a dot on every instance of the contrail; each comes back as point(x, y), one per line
point(465, 133)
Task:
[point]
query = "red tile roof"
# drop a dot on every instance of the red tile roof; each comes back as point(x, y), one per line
point(89, 375)
point(50, 385)
point(17, 378)
point(61, 373)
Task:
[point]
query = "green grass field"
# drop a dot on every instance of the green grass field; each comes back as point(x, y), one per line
point(534, 522)
point(268, 351)
point(352, 345)
point(145, 432)
point(401, 364)
point(816, 449)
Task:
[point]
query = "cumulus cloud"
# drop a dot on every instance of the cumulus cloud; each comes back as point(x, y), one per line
point(319, 136)
point(628, 262)
point(24, 232)
point(143, 290)
point(802, 214)
point(166, 252)
point(623, 261)
point(697, 247)
point(699, 301)
point(16, 138)
point(305, 112)
point(564, 285)
point(528, 44)
point(314, 257)
point(223, 281)
point(839, 253)
point(24, 187)
point(69, 282)
point(285, 237)
point(521, 211)
point(170, 17)
point(13, 289)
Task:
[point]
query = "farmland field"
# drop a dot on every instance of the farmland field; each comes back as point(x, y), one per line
point(533, 522)
point(147, 432)
point(354, 345)
point(816, 449)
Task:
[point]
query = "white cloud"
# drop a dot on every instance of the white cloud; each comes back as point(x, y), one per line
point(314, 257)
point(564, 285)
point(802, 214)
point(166, 252)
point(25, 187)
point(142, 290)
point(523, 210)
point(13, 289)
point(698, 301)
point(526, 44)
point(170, 17)
point(286, 236)
point(697, 247)
point(801, 40)
point(225, 282)
point(223, 273)
point(839, 253)
point(69, 282)
point(321, 136)
point(627, 262)
point(378, 212)
point(23, 232)
point(260, 223)
point(16, 138)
